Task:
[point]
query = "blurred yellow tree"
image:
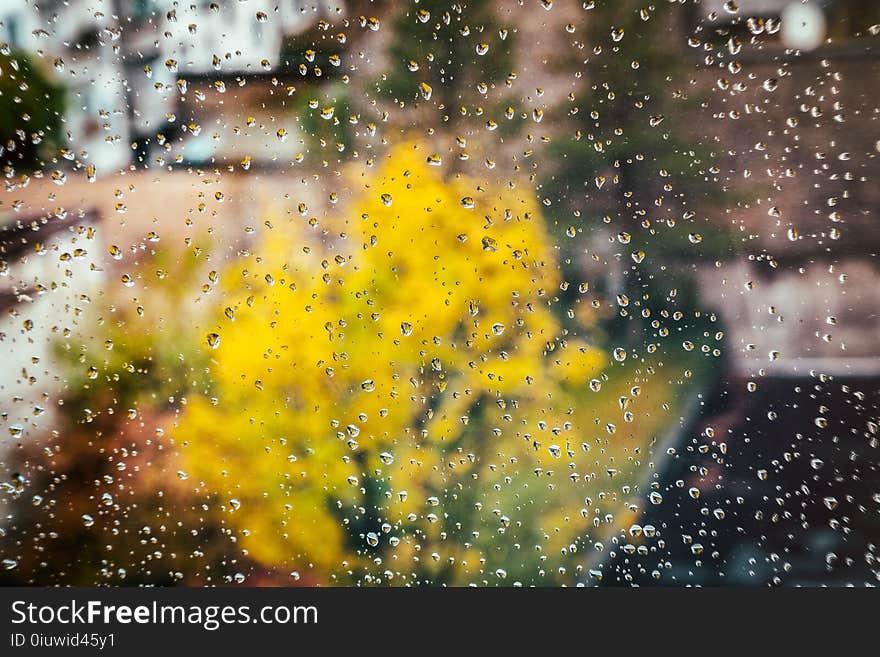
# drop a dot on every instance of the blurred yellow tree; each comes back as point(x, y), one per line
point(374, 393)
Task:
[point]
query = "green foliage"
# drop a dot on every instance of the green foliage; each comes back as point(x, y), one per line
point(635, 176)
point(31, 108)
point(326, 121)
point(444, 39)
point(629, 155)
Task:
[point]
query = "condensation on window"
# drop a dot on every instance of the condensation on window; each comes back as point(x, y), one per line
point(435, 292)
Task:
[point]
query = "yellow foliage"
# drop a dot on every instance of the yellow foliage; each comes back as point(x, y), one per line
point(417, 357)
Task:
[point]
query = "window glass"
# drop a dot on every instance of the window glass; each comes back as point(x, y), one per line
point(439, 292)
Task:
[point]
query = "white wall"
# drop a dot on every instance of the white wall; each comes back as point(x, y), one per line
point(820, 315)
point(50, 313)
point(233, 34)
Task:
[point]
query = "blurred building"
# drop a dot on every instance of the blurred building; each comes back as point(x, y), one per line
point(774, 478)
point(802, 293)
point(122, 61)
